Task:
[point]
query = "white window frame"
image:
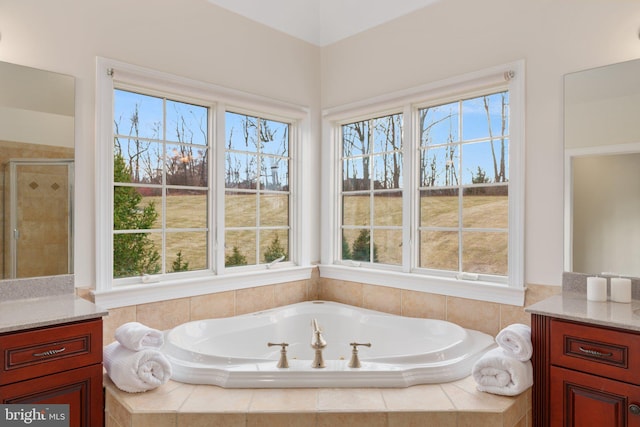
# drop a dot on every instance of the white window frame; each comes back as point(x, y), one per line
point(110, 293)
point(509, 76)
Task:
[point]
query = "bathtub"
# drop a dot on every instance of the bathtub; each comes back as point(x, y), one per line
point(233, 352)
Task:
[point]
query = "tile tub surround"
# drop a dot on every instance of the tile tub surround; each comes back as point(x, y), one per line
point(487, 317)
point(455, 404)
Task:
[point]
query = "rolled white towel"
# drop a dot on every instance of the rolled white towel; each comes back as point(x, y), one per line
point(136, 336)
point(135, 371)
point(496, 372)
point(515, 339)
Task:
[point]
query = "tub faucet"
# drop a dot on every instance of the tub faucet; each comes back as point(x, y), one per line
point(317, 343)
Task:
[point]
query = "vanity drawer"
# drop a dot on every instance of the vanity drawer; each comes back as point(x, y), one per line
point(33, 353)
point(596, 350)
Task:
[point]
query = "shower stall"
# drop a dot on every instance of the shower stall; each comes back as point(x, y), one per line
point(37, 220)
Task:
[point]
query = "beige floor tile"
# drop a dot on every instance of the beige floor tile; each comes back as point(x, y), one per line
point(466, 397)
point(281, 420)
point(479, 419)
point(423, 305)
point(212, 420)
point(350, 400)
point(164, 314)
point(382, 298)
point(209, 398)
point(284, 400)
point(422, 419)
point(212, 306)
point(369, 419)
point(428, 397)
point(168, 397)
point(168, 419)
point(480, 315)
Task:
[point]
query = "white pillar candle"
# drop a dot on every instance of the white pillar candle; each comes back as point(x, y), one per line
point(620, 289)
point(596, 289)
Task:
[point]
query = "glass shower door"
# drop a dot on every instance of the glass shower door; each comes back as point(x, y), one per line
point(41, 207)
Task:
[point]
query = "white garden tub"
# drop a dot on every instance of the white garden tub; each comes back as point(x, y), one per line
point(232, 352)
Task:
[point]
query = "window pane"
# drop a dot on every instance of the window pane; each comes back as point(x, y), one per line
point(135, 254)
point(136, 208)
point(274, 137)
point(186, 165)
point(240, 247)
point(486, 207)
point(240, 209)
point(356, 174)
point(439, 124)
point(186, 251)
point(439, 250)
point(387, 171)
point(439, 208)
point(186, 208)
point(479, 166)
point(137, 161)
point(187, 123)
point(274, 210)
point(273, 244)
point(355, 139)
point(357, 244)
point(137, 115)
point(387, 133)
point(387, 208)
point(241, 170)
point(479, 113)
point(440, 166)
point(356, 210)
point(274, 173)
point(241, 132)
point(387, 246)
point(485, 253)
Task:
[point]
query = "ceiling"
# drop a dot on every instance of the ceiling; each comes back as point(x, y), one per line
point(322, 22)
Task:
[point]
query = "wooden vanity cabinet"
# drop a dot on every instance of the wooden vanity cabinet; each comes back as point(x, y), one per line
point(584, 374)
point(59, 364)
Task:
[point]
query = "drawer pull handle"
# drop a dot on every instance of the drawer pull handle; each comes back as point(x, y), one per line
point(595, 353)
point(634, 409)
point(49, 352)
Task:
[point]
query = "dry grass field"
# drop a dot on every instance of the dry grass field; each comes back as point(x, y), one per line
point(484, 252)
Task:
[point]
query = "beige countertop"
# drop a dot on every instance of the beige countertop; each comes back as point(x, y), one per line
point(27, 313)
point(576, 307)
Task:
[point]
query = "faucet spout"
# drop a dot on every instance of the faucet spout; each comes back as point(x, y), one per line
point(317, 343)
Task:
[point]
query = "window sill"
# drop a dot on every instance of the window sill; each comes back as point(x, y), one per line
point(476, 290)
point(142, 293)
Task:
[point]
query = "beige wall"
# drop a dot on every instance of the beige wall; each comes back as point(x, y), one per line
point(195, 39)
point(454, 37)
point(189, 38)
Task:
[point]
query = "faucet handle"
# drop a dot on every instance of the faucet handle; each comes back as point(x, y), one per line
point(355, 361)
point(283, 362)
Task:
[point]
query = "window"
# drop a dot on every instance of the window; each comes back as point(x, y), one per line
point(429, 196)
point(372, 190)
point(464, 192)
point(256, 190)
point(198, 188)
point(160, 185)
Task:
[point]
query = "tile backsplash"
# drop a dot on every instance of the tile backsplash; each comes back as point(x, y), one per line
point(485, 316)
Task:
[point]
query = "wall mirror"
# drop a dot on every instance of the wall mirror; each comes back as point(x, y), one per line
point(37, 110)
point(602, 170)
